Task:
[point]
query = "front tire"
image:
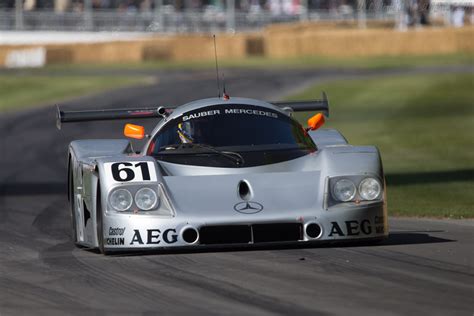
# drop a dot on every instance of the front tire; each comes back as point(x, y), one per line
point(72, 204)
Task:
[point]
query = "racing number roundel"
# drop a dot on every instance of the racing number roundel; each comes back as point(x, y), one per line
point(136, 171)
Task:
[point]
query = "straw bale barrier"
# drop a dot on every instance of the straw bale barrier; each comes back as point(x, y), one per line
point(59, 54)
point(465, 40)
point(255, 44)
point(201, 47)
point(277, 41)
point(158, 48)
point(176, 48)
point(354, 42)
point(110, 52)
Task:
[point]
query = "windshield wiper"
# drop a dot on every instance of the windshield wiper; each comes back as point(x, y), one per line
point(232, 155)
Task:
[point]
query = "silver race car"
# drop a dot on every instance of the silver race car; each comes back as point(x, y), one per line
point(223, 171)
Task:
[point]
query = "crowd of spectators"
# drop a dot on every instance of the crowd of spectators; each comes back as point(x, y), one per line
point(415, 12)
point(279, 6)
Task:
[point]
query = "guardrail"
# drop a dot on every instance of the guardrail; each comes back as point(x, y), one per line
point(169, 22)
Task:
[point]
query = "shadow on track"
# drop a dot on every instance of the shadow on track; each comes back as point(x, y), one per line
point(396, 238)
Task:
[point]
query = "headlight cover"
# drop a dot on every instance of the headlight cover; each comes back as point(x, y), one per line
point(370, 189)
point(146, 199)
point(344, 190)
point(121, 200)
point(353, 190)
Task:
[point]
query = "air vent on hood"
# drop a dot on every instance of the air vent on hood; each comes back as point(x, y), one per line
point(245, 191)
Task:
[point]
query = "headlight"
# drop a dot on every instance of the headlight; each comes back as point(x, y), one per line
point(121, 200)
point(146, 199)
point(369, 189)
point(344, 190)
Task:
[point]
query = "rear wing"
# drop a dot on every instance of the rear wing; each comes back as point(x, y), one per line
point(160, 112)
point(302, 106)
point(104, 115)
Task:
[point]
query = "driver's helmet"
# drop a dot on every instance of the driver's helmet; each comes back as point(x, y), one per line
point(186, 132)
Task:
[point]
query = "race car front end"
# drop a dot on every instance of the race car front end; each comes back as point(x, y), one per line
point(244, 209)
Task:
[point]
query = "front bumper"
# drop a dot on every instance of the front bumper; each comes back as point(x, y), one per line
point(125, 232)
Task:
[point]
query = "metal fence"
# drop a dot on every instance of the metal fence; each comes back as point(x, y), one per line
point(170, 21)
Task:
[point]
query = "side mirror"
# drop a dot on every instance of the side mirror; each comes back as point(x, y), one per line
point(316, 122)
point(134, 131)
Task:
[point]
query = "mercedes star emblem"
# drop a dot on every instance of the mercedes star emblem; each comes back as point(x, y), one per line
point(248, 207)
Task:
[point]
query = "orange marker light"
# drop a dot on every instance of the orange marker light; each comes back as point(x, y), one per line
point(134, 131)
point(316, 122)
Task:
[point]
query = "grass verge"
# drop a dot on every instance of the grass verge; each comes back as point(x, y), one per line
point(19, 92)
point(25, 87)
point(423, 126)
point(377, 62)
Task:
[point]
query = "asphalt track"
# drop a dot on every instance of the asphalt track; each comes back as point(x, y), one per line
point(426, 266)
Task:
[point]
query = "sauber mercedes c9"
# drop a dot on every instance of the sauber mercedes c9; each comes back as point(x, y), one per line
point(223, 171)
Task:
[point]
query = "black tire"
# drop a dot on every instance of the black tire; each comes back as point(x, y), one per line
point(72, 204)
point(99, 223)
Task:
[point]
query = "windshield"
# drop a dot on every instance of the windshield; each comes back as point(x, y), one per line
point(240, 128)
